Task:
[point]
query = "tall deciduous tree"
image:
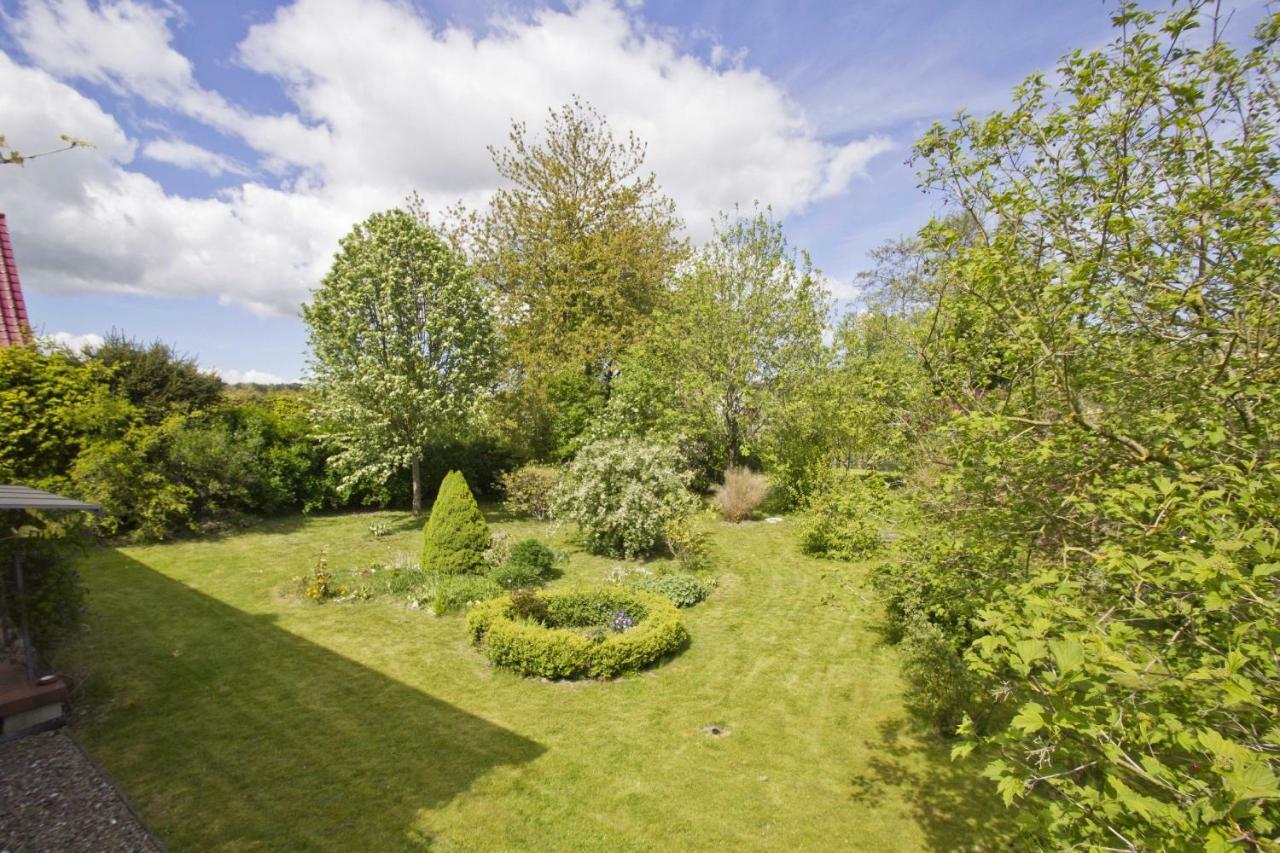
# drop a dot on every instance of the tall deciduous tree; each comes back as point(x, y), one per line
point(402, 346)
point(746, 318)
point(578, 246)
point(1111, 345)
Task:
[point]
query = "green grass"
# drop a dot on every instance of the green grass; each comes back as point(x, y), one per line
point(237, 717)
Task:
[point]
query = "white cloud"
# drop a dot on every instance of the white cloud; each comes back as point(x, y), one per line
point(384, 102)
point(256, 377)
point(178, 152)
point(75, 343)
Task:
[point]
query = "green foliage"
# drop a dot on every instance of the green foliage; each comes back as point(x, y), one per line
point(845, 519)
point(578, 245)
point(868, 406)
point(623, 493)
point(528, 490)
point(456, 536)
point(682, 590)
point(55, 592)
point(403, 343)
point(573, 638)
point(534, 556)
point(155, 379)
point(51, 407)
point(201, 470)
point(744, 321)
point(938, 579)
point(455, 593)
point(687, 541)
point(936, 683)
point(1106, 330)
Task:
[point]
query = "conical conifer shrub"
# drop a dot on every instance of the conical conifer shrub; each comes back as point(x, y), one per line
point(456, 536)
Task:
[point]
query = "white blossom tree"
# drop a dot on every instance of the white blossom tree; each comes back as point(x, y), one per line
point(403, 347)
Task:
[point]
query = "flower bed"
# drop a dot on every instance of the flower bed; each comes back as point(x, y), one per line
point(592, 633)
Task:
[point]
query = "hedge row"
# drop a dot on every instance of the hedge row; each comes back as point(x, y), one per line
point(549, 649)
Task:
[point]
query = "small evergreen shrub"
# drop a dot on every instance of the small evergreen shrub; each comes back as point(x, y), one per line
point(844, 519)
point(529, 489)
point(742, 491)
point(682, 590)
point(599, 633)
point(456, 537)
point(533, 556)
point(622, 493)
point(455, 593)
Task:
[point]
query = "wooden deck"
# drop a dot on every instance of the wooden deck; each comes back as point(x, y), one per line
point(25, 706)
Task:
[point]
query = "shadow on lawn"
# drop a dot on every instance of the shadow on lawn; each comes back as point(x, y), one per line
point(227, 730)
point(956, 808)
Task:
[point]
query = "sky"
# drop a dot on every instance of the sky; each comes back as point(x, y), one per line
point(235, 141)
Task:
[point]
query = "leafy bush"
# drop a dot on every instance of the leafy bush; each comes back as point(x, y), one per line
point(687, 542)
point(937, 683)
point(456, 536)
point(844, 520)
point(529, 490)
point(742, 491)
point(516, 576)
point(622, 493)
point(939, 579)
point(680, 589)
point(583, 633)
point(534, 556)
point(528, 605)
point(455, 593)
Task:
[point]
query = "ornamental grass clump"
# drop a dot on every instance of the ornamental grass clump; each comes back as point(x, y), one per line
point(741, 493)
point(456, 536)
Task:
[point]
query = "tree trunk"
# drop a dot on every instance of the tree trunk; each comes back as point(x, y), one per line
point(417, 486)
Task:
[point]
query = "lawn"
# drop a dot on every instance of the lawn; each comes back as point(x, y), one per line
point(237, 716)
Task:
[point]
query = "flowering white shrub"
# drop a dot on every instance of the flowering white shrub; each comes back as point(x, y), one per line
point(622, 493)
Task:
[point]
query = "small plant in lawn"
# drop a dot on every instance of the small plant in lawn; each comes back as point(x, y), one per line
point(742, 491)
point(318, 584)
point(378, 530)
point(456, 536)
point(687, 542)
point(682, 590)
point(455, 593)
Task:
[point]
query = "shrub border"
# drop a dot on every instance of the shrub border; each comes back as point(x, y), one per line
point(536, 650)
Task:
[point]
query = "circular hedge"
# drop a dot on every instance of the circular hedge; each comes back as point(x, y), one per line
point(587, 633)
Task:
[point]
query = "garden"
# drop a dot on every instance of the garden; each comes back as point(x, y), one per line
point(580, 535)
point(237, 712)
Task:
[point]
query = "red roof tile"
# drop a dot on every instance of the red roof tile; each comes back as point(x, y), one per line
point(14, 326)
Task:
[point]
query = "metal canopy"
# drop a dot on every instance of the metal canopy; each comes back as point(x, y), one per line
point(25, 497)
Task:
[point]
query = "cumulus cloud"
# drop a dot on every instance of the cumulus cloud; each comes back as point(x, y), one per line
point(384, 101)
point(253, 376)
point(75, 343)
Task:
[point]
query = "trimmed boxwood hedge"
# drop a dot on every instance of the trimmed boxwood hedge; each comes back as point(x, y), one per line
point(552, 650)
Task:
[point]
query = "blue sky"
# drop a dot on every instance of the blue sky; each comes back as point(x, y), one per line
point(236, 140)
